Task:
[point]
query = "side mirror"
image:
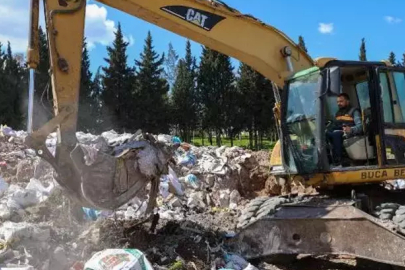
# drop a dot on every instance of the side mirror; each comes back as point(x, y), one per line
point(334, 81)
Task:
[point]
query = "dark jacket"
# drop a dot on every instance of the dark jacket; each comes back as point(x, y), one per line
point(351, 117)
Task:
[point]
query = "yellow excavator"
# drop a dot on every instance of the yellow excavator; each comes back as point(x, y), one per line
point(352, 212)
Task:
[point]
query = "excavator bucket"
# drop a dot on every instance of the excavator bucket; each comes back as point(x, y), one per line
point(109, 180)
point(107, 177)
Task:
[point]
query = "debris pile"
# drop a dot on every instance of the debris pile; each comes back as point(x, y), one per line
point(199, 201)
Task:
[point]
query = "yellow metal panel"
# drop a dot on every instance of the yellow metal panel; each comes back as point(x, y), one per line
point(357, 176)
point(275, 158)
point(322, 61)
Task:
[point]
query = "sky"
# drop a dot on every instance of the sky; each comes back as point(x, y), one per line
point(329, 28)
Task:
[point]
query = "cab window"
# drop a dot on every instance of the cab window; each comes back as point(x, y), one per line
point(393, 101)
point(363, 94)
point(386, 98)
point(399, 79)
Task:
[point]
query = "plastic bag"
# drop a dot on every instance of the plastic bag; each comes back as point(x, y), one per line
point(170, 183)
point(176, 140)
point(399, 183)
point(7, 131)
point(236, 262)
point(164, 186)
point(192, 180)
point(3, 186)
point(91, 214)
point(164, 138)
point(174, 181)
point(118, 259)
point(36, 185)
point(188, 159)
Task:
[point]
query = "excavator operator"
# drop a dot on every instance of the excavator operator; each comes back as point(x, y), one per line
point(347, 124)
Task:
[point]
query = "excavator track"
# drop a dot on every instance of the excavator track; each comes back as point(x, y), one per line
point(282, 227)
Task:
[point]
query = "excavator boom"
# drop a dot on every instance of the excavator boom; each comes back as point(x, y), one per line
point(225, 30)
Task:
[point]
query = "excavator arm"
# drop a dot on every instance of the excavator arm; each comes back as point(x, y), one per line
point(110, 180)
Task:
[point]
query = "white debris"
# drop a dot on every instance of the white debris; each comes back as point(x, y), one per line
point(59, 259)
point(18, 267)
point(202, 177)
point(22, 198)
point(5, 212)
point(34, 193)
point(164, 138)
point(224, 196)
point(36, 185)
point(210, 180)
point(234, 199)
point(196, 199)
point(11, 231)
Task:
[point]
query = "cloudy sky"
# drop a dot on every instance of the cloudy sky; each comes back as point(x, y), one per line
point(330, 28)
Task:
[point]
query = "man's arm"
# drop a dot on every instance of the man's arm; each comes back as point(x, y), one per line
point(358, 128)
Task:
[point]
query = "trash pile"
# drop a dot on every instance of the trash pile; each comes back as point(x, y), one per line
point(199, 201)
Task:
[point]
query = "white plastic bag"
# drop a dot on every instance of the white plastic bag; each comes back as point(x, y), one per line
point(175, 182)
point(118, 259)
point(36, 185)
point(7, 131)
point(170, 182)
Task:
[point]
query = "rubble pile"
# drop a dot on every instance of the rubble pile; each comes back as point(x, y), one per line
point(216, 176)
point(199, 200)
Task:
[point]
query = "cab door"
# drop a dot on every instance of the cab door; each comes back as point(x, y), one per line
point(391, 90)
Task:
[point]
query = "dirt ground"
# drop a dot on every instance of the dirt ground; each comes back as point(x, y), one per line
point(194, 243)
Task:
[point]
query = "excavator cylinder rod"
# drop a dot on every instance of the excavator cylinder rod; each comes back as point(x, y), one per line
point(321, 230)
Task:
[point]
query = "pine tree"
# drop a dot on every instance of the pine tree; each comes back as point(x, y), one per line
point(151, 90)
point(301, 43)
point(117, 86)
point(392, 58)
point(170, 72)
point(215, 80)
point(13, 88)
point(4, 102)
point(257, 103)
point(362, 55)
point(403, 59)
point(87, 103)
point(98, 102)
point(184, 101)
point(43, 96)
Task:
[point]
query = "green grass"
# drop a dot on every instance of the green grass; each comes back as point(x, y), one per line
point(244, 142)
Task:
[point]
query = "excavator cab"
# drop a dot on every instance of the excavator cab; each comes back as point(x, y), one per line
point(308, 108)
point(349, 212)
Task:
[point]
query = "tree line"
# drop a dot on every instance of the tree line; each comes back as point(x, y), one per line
point(158, 93)
point(392, 58)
